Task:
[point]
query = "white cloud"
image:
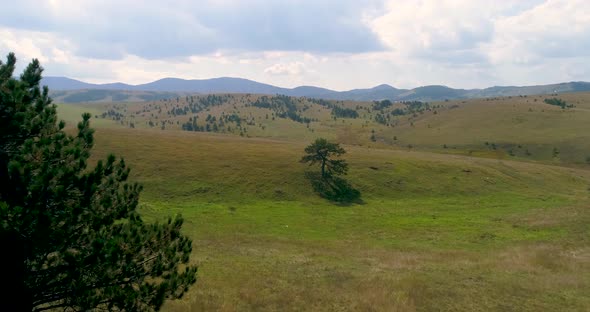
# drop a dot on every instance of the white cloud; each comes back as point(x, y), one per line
point(294, 68)
point(152, 29)
point(23, 46)
point(446, 29)
point(460, 43)
point(493, 42)
point(554, 29)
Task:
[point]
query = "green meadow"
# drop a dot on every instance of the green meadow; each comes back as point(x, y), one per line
point(446, 223)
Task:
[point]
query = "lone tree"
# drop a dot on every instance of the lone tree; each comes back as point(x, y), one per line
point(71, 235)
point(321, 151)
point(326, 183)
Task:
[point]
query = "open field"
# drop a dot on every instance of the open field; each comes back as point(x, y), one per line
point(437, 229)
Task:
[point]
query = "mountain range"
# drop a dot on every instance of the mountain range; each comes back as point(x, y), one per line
point(71, 90)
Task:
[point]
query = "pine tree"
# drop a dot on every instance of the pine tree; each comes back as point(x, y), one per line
point(71, 235)
point(321, 151)
point(326, 182)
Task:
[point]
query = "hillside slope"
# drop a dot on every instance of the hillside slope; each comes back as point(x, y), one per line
point(441, 232)
point(524, 128)
point(468, 227)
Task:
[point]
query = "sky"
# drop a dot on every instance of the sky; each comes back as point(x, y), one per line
point(336, 44)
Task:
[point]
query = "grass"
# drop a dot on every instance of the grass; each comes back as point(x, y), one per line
point(519, 128)
point(436, 232)
point(520, 124)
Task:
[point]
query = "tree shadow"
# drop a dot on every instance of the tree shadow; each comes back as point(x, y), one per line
point(335, 189)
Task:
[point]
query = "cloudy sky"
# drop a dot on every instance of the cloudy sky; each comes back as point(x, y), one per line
point(338, 44)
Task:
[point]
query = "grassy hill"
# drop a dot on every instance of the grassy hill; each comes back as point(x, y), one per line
point(466, 227)
point(523, 128)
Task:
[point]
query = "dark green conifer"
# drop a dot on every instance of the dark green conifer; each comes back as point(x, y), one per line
point(71, 235)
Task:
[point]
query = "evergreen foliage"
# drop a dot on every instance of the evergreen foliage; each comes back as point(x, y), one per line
point(340, 112)
point(337, 111)
point(283, 106)
point(326, 183)
point(321, 151)
point(558, 102)
point(71, 235)
point(379, 105)
point(381, 118)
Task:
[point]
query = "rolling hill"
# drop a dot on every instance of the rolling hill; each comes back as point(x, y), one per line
point(64, 87)
point(521, 127)
point(467, 205)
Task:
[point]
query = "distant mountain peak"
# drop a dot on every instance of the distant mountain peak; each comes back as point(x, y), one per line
point(380, 92)
point(383, 86)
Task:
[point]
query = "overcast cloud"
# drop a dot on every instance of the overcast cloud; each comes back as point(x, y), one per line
point(338, 44)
